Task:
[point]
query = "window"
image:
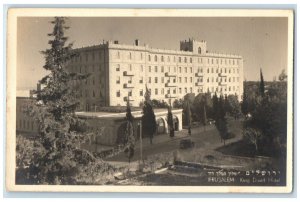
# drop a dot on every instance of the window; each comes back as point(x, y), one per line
point(162, 69)
point(149, 57)
point(179, 59)
point(155, 79)
point(185, 60)
point(156, 91)
point(155, 58)
point(162, 58)
point(155, 68)
point(208, 60)
point(179, 79)
point(185, 79)
point(212, 61)
point(191, 89)
point(162, 91)
point(233, 79)
point(130, 55)
point(207, 80)
point(118, 68)
point(185, 90)
point(162, 79)
point(212, 79)
point(174, 69)
point(212, 70)
point(191, 60)
point(118, 93)
point(130, 93)
point(149, 68)
point(179, 69)
point(168, 58)
point(185, 69)
point(191, 69)
point(130, 80)
point(174, 80)
point(141, 93)
point(149, 80)
point(199, 50)
point(179, 90)
point(141, 79)
point(191, 79)
point(207, 70)
point(174, 91)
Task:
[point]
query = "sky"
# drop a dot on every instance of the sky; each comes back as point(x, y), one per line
point(262, 42)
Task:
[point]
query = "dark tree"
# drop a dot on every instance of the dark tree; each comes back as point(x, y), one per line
point(170, 122)
point(215, 107)
point(189, 117)
point(129, 135)
point(60, 129)
point(221, 123)
point(148, 118)
point(261, 84)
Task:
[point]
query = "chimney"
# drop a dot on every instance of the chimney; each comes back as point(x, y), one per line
point(137, 42)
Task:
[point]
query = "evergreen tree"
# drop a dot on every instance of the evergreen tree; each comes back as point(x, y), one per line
point(170, 122)
point(215, 107)
point(189, 117)
point(244, 106)
point(148, 118)
point(60, 129)
point(261, 84)
point(130, 139)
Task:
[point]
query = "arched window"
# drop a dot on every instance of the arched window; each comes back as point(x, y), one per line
point(199, 50)
point(155, 58)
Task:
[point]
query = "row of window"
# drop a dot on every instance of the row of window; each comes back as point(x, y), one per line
point(156, 58)
point(181, 79)
point(181, 59)
point(183, 90)
point(23, 124)
point(181, 69)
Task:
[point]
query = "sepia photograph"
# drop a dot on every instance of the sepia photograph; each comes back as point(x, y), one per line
point(150, 100)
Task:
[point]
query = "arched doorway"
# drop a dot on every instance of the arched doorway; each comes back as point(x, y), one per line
point(121, 134)
point(176, 123)
point(161, 127)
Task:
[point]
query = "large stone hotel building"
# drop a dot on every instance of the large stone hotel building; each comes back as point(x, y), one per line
point(118, 72)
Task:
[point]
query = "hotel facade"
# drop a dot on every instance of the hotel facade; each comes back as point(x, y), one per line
point(118, 72)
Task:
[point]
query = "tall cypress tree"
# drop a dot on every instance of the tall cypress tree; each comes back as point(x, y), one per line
point(261, 84)
point(129, 135)
point(170, 122)
point(60, 129)
point(148, 118)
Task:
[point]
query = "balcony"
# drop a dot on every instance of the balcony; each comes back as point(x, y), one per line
point(128, 85)
point(130, 98)
point(168, 84)
point(199, 83)
point(128, 73)
point(222, 83)
point(170, 74)
point(199, 74)
point(170, 96)
point(222, 75)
